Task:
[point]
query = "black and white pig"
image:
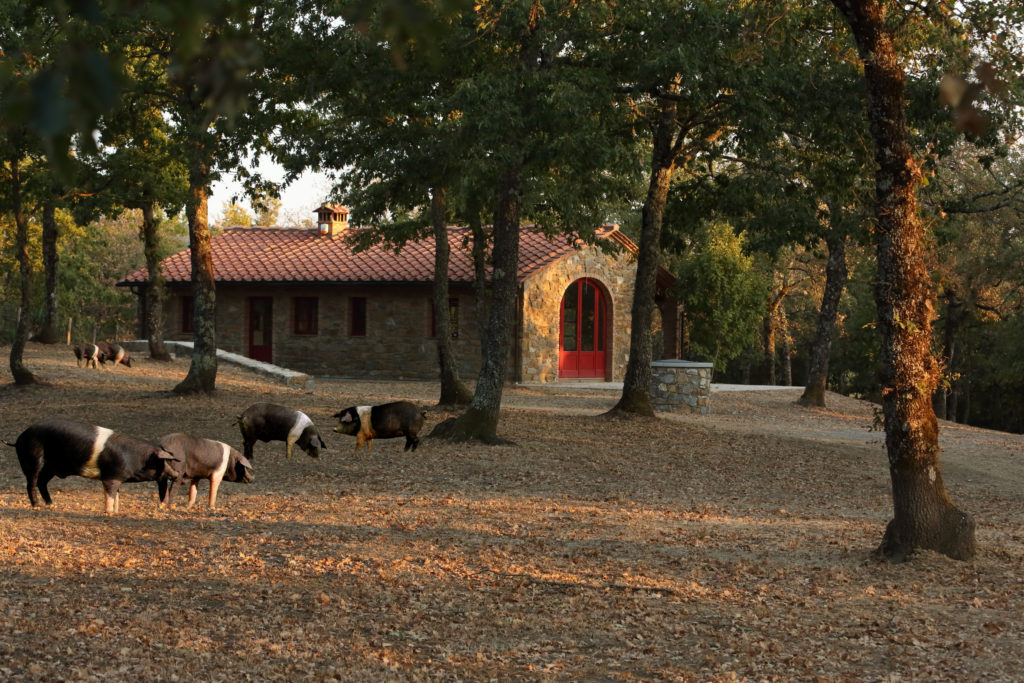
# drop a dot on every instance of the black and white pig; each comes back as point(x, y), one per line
point(196, 458)
point(90, 353)
point(115, 353)
point(385, 421)
point(61, 448)
point(271, 422)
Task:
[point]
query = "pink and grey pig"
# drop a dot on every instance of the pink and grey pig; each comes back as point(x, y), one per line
point(271, 422)
point(61, 448)
point(196, 458)
point(385, 421)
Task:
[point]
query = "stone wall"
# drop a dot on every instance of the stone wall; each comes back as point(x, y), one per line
point(681, 386)
point(397, 344)
point(542, 299)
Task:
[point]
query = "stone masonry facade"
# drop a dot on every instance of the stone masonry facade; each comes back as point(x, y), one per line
point(542, 298)
point(397, 344)
point(681, 386)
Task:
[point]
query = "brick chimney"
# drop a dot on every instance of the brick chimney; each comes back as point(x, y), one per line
point(331, 219)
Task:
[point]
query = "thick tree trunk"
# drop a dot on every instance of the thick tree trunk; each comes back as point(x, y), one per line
point(636, 386)
point(835, 282)
point(153, 290)
point(480, 421)
point(202, 372)
point(453, 391)
point(22, 375)
point(924, 516)
point(50, 332)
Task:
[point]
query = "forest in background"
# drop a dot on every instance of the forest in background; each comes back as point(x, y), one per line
point(775, 164)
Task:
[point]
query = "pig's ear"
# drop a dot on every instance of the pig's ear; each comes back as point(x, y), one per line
point(164, 455)
point(347, 417)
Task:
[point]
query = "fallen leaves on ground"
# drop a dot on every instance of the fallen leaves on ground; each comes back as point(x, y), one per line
point(734, 546)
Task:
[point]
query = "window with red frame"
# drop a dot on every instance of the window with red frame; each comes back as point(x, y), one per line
point(307, 315)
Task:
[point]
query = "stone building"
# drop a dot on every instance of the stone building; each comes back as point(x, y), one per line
point(306, 300)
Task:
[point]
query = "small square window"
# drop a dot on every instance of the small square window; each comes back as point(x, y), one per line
point(453, 318)
point(307, 315)
point(187, 324)
point(357, 316)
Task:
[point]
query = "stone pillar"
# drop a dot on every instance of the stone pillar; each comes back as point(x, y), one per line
point(681, 386)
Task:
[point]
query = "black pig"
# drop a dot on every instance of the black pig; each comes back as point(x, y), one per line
point(270, 422)
point(385, 421)
point(61, 448)
point(196, 458)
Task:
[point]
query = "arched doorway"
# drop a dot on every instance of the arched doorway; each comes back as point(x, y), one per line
point(583, 333)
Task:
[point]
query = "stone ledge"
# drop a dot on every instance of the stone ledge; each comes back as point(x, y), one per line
point(290, 378)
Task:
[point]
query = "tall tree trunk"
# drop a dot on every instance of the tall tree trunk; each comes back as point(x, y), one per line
point(771, 324)
point(480, 283)
point(50, 333)
point(480, 421)
point(202, 372)
point(924, 516)
point(835, 282)
point(153, 290)
point(768, 325)
point(636, 386)
point(956, 314)
point(787, 347)
point(453, 391)
point(22, 375)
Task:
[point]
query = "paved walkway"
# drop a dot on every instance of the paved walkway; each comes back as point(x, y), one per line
point(617, 386)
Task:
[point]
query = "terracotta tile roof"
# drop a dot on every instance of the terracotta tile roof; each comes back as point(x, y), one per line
point(303, 256)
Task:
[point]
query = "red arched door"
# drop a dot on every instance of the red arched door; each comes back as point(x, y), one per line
point(581, 346)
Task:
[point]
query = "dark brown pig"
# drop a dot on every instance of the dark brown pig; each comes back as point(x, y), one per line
point(90, 354)
point(270, 422)
point(115, 353)
point(196, 458)
point(385, 421)
point(61, 448)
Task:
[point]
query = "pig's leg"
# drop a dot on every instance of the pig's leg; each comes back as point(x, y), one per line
point(110, 495)
point(166, 487)
point(247, 448)
point(44, 478)
point(215, 480)
point(193, 491)
point(288, 448)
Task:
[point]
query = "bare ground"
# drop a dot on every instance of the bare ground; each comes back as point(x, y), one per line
point(735, 546)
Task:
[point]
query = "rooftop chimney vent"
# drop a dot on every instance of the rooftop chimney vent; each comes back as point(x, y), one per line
point(331, 219)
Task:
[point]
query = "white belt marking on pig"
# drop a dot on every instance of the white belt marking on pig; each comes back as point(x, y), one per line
point(301, 422)
point(224, 458)
point(365, 426)
point(90, 469)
